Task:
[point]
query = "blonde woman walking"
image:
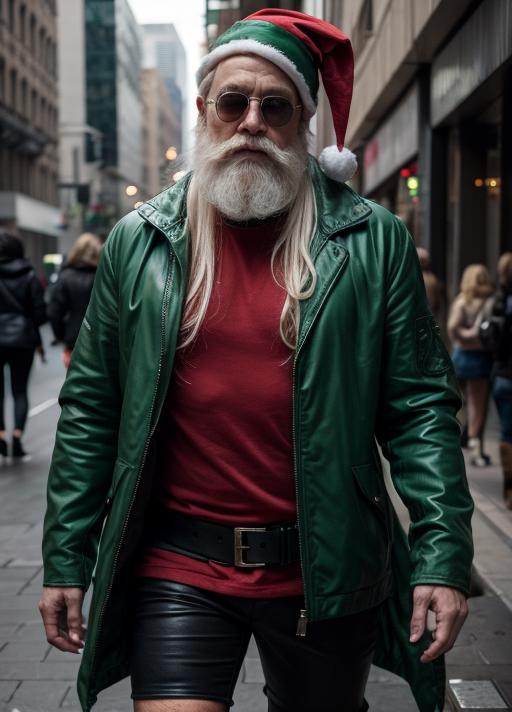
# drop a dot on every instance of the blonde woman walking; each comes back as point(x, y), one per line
point(471, 361)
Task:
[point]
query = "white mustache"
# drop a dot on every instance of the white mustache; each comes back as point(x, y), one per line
point(226, 149)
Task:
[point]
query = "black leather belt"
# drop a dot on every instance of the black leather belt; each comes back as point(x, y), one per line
point(245, 547)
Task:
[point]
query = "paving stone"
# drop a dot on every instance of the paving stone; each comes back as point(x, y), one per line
point(11, 531)
point(10, 588)
point(18, 573)
point(384, 698)
point(7, 631)
point(19, 616)
point(30, 632)
point(59, 656)
point(7, 689)
point(17, 603)
point(249, 698)
point(252, 671)
point(23, 563)
point(113, 699)
point(20, 652)
point(40, 692)
point(38, 671)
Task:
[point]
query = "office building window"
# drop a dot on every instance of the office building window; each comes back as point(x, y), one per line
point(23, 20)
point(14, 87)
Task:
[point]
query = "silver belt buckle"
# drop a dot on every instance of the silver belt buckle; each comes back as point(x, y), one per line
point(240, 547)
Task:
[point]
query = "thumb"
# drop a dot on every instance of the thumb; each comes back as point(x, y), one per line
point(421, 600)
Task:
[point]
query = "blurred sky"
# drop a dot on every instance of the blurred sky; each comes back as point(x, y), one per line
point(188, 17)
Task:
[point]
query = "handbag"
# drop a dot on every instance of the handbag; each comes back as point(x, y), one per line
point(490, 332)
point(17, 330)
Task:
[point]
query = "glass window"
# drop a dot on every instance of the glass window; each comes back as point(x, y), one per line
point(23, 20)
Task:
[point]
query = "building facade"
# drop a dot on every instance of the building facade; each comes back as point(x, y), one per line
point(28, 124)
point(431, 100)
point(113, 61)
point(161, 133)
point(164, 51)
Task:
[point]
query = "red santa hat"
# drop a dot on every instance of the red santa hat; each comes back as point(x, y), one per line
point(301, 46)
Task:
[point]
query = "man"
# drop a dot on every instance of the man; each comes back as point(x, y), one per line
point(252, 332)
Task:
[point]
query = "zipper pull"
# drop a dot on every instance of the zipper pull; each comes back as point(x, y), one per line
point(301, 624)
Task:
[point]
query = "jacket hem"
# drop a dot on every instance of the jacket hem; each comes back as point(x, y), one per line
point(338, 605)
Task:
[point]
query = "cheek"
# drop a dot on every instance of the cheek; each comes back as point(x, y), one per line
point(283, 137)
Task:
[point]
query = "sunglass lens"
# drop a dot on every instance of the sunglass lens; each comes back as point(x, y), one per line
point(277, 111)
point(231, 106)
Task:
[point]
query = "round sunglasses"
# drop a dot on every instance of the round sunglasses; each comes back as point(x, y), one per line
point(277, 111)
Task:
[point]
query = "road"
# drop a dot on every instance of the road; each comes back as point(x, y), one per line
point(37, 678)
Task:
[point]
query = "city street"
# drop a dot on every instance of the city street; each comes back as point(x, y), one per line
point(37, 678)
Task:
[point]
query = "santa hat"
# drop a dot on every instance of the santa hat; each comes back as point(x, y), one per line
point(301, 46)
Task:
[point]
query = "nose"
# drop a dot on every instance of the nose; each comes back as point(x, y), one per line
point(252, 121)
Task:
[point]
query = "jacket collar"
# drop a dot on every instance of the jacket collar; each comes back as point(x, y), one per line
point(338, 206)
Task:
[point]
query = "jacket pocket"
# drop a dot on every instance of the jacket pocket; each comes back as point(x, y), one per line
point(432, 358)
point(370, 485)
point(120, 469)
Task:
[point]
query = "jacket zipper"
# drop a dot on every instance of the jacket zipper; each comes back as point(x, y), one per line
point(303, 616)
point(170, 275)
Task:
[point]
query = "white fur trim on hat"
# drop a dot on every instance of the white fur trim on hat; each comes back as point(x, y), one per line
point(338, 165)
point(267, 52)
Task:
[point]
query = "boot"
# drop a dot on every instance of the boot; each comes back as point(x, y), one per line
point(17, 448)
point(506, 465)
point(478, 458)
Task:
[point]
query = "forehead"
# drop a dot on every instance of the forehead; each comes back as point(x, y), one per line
point(246, 71)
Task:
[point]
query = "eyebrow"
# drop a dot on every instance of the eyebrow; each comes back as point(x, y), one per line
point(272, 91)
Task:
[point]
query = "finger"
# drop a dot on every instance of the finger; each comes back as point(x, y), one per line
point(74, 619)
point(421, 600)
point(448, 627)
point(54, 634)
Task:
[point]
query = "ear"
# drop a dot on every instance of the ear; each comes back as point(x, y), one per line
point(200, 104)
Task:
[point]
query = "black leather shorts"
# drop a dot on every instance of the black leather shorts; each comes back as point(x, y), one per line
point(190, 643)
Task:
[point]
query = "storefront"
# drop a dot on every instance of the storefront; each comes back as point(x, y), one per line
point(470, 106)
point(391, 172)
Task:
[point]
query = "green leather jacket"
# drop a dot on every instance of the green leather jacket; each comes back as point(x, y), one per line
point(369, 367)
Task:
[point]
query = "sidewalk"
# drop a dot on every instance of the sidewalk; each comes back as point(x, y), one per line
point(37, 678)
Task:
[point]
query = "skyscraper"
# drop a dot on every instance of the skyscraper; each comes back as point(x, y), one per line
point(163, 50)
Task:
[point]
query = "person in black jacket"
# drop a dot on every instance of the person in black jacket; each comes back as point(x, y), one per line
point(22, 311)
point(70, 296)
point(502, 371)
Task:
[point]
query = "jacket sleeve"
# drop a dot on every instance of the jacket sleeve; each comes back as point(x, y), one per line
point(86, 440)
point(58, 307)
point(418, 429)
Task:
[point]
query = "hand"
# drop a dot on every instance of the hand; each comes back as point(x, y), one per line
point(450, 608)
point(61, 609)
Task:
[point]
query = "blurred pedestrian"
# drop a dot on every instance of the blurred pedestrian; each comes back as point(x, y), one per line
point(472, 362)
point(71, 293)
point(502, 371)
point(22, 311)
point(433, 285)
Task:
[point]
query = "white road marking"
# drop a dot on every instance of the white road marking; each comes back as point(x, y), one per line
point(42, 406)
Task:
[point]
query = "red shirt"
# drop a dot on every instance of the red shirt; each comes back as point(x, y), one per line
point(225, 434)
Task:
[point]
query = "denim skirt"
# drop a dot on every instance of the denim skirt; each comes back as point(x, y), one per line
point(472, 364)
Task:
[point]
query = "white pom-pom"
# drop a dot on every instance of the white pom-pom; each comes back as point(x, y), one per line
point(338, 165)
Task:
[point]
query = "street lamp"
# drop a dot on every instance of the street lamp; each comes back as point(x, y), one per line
point(171, 154)
point(131, 190)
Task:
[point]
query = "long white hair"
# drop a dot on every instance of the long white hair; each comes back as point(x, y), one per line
point(291, 263)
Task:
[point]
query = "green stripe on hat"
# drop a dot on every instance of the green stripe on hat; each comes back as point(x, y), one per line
point(282, 41)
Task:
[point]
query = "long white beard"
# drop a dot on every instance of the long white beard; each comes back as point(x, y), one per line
point(244, 189)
